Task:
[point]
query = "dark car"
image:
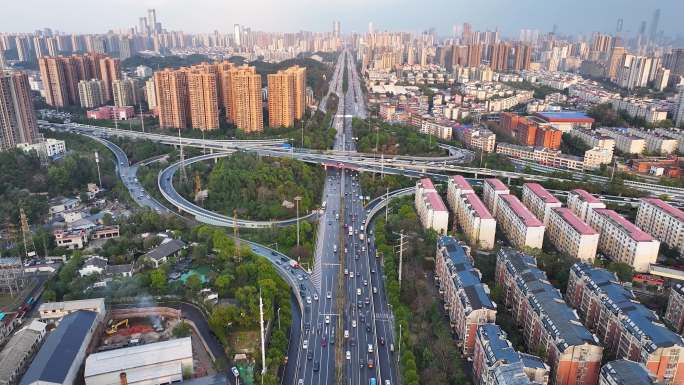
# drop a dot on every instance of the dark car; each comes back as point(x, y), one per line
point(317, 366)
point(368, 328)
point(382, 340)
point(309, 355)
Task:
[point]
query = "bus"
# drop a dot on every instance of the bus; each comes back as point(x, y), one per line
point(372, 381)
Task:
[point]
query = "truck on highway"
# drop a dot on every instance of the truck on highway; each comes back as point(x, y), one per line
point(370, 348)
point(293, 264)
point(351, 231)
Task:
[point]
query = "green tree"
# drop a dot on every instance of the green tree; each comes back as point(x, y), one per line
point(194, 283)
point(158, 281)
point(182, 329)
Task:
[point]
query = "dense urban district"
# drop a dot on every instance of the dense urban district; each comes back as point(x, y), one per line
point(319, 208)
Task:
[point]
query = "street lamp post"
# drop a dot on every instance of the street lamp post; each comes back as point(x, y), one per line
point(297, 199)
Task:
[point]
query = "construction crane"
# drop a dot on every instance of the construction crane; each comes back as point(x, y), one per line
point(25, 231)
point(115, 327)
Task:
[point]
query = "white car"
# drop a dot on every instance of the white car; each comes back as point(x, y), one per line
point(328, 295)
point(351, 274)
point(353, 323)
point(327, 319)
point(346, 334)
point(358, 291)
point(375, 290)
point(315, 296)
point(348, 355)
point(305, 344)
point(346, 271)
point(308, 299)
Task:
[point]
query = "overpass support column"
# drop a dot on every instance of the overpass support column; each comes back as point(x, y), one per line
point(509, 181)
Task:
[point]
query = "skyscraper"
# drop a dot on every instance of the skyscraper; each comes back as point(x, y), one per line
point(152, 20)
point(281, 101)
point(237, 32)
point(203, 95)
point(122, 93)
point(653, 31)
point(172, 97)
point(109, 71)
point(17, 117)
point(246, 99)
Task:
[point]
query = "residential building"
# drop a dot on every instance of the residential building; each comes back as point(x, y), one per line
point(466, 299)
point(627, 329)
point(431, 210)
point(480, 139)
point(580, 202)
point(656, 142)
point(71, 239)
point(161, 254)
point(122, 92)
point(53, 312)
point(674, 315)
point(171, 88)
point(246, 110)
point(93, 265)
point(18, 122)
point(17, 353)
point(679, 109)
point(663, 221)
point(633, 71)
point(625, 372)
point(470, 214)
point(519, 225)
point(151, 94)
point(539, 200)
point(543, 156)
point(436, 128)
point(203, 98)
point(625, 141)
point(163, 362)
point(491, 189)
point(109, 70)
point(594, 139)
point(548, 324)
point(595, 157)
point(622, 241)
point(496, 362)
point(91, 93)
point(65, 345)
point(570, 235)
point(281, 99)
point(52, 148)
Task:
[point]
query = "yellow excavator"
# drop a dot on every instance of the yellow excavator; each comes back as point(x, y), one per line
point(113, 329)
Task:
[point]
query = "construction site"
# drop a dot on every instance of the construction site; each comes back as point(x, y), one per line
point(147, 325)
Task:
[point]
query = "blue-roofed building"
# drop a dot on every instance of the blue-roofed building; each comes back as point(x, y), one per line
point(496, 362)
point(466, 299)
point(626, 328)
point(624, 372)
point(548, 323)
point(59, 359)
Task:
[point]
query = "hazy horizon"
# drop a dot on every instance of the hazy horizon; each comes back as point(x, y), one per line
point(579, 17)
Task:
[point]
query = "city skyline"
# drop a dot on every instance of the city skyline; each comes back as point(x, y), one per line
point(581, 17)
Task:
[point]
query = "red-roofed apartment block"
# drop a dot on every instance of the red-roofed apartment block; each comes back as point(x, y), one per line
point(431, 209)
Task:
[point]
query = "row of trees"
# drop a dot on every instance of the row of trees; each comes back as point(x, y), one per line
point(428, 352)
point(606, 116)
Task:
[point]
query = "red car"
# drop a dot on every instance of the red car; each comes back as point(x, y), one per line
point(324, 341)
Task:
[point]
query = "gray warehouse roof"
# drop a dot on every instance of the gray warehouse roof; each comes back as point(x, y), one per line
point(56, 357)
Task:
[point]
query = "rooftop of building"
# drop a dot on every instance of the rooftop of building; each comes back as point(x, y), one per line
point(461, 182)
point(496, 184)
point(435, 201)
point(565, 116)
point(671, 210)
point(57, 355)
point(559, 320)
point(573, 220)
point(478, 206)
point(585, 196)
point(625, 372)
point(541, 192)
point(464, 274)
point(18, 348)
point(521, 211)
point(634, 232)
point(641, 322)
point(119, 360)
point(167, 248)
point(73, 305)
point(426, 183)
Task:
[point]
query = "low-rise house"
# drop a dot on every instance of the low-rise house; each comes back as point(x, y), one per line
point(161, 254)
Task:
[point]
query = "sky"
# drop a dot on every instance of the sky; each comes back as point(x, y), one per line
point(571, 16)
